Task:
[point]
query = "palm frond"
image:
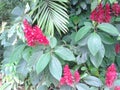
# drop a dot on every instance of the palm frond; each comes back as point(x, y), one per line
point(51, 15)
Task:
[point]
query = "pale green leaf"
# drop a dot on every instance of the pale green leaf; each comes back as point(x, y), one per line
point(81, 86)
point(94, 43)
point(42, 62)
point(53, 42)
point(97, 59)
point(55, 68)
point(82, 32)
point(93, 81)
point(64, 53)
point(108, 28)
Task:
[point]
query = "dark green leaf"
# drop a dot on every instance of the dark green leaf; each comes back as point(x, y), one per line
point(64, 53)
point(109, 28)
point(82, 32)
point(75, 19)
point(93, 81)
point(42, 62)
point(94, 43)
point(55, 68)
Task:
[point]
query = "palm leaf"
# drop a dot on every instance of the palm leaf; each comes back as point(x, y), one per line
point(51, 15)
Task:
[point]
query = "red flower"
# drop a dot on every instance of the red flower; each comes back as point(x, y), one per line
point(77, 76)
point(101, 14)
point(116, 9)
point(117, 48)
point(34, 34)
point(68, 78)
point(117, 88)
point(107, 13)
point(111, 75)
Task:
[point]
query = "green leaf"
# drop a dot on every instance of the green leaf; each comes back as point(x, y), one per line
point(109, 28)
point(117, 19)
point(64, 53)
point(81, 86)
point(65, 87)
point(53, 42)
point(82, 32)
point(17, 54)
point(26, 54)
point(97, 59)
point(112, 1)
point(94, 4)
point(74, 2)
point(55, 68)
point(42, 62)
point(117, 82)
point(94, 43)
point(106, 38)
point(51, 16)
point(17, 11)
point(75, 19)
point(93, 81)
point(83, 5)
point(42, 87)
point(93, 88)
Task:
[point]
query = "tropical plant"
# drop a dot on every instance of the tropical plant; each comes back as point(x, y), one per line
point(36, 57)
point(51, 15)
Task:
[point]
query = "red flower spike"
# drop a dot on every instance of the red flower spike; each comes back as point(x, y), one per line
point(117, 48)
point(107, 13)
point(77, 76)
point(62, 81)
point(67, 78)
point(101, 14)
point(111, 75)
point(34, 34)
point(116, 9)
point(117, 88)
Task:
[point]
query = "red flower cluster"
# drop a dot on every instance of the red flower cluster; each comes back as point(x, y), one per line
point(117, 48)
point(117, 88)
point(101, 14)
point(116, 9)
point(68, 78)
point(34, 34)
point(111, 75)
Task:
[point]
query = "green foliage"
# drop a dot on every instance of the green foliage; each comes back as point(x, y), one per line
point(43, 62)
point(91, 80)
point(106, 27)
point(88, 46)
point(52, 15)
point(94, 43)
point(64, 53)
point(55, 68)
point(82, 32)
